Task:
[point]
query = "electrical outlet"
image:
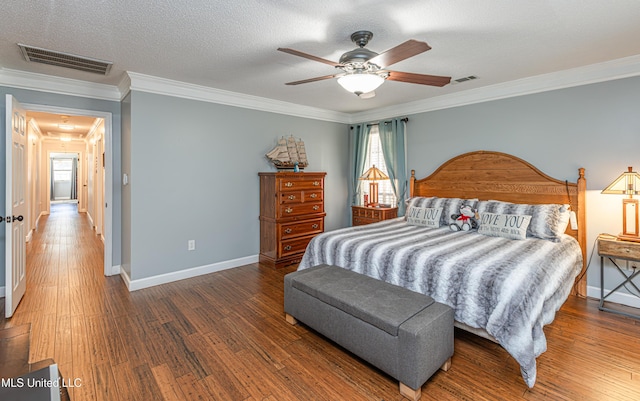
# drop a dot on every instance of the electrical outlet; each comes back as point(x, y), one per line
point(191, 245)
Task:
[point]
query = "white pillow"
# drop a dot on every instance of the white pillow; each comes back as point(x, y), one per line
point(424, 216)
point(512, 226)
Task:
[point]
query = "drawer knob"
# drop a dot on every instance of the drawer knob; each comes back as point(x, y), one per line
point(288, 230)
point(292, 197)
point(288, 210)
point(314, 226)
point(316, 207)
point(287, 248)
point(314, 195)
point(316, 183)
point(288, 184)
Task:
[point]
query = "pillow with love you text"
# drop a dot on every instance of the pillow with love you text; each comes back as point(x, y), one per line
point(512, 226)
point(424, 216)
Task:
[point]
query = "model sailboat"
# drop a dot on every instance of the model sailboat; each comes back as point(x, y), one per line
point(288, 153)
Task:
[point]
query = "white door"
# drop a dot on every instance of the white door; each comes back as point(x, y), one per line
point(16, 204)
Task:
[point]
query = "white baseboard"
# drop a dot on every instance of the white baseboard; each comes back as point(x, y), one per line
point(617, 297)
point(139, 284)
point(115, 270)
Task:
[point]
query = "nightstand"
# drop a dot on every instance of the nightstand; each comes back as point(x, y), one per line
point(612, 248)
point(362, 215)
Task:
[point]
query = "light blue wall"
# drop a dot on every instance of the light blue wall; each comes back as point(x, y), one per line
point(194, 175)
point(51, 99)
point(594, 126)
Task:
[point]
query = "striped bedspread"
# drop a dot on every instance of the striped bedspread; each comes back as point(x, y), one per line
point(510, 288)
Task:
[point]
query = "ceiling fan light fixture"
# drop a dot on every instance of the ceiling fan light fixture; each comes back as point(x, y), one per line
point(359, 83)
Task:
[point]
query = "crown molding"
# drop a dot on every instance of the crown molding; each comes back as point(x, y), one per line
point(594, 73)
point(601, 72)
point(63, 86)
point(124, 86)
point(162, 86)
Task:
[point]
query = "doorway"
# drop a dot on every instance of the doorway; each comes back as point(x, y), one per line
point(63, 178)
point(90, 165)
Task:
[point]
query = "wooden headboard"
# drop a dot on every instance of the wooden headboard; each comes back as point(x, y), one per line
point(493, 175)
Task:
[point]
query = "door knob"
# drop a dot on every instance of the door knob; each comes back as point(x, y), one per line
point(11, 219)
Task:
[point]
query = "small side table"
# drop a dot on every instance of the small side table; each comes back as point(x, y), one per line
point(612, 248)
point(362, 215)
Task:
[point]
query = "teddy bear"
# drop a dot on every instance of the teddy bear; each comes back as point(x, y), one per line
point(465, 220)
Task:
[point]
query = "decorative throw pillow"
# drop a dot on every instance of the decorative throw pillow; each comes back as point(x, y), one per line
point(545, 218)
point(418, 201)
point(424, 216)
point(450, 206)
point(564, 217)
point(512, 226)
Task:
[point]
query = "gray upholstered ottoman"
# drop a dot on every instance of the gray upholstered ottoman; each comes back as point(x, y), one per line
point(406, 334)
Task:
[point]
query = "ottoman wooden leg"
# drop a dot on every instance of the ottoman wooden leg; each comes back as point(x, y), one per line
point(410, 393)
point(290, 319)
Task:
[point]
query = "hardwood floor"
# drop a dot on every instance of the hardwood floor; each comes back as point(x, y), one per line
point(223, 337)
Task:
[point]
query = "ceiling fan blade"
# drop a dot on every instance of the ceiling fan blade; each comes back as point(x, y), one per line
point(401, 52)
point(308, 56)
point(304, 81)
point(422, 79)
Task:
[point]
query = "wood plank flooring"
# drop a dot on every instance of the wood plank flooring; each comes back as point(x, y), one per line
point(223, 337)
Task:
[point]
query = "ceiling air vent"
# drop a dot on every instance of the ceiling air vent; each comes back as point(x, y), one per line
point(465, 79)
point(51, 57)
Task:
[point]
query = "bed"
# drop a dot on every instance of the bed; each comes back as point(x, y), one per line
point(500, 288)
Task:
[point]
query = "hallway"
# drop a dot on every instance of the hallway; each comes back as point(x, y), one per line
point(65, 289)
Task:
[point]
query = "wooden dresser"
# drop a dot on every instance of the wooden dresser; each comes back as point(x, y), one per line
point(362, 215)
point(291, 213)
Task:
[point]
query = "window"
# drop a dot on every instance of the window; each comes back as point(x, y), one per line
point(375, 156)
point(62, 169)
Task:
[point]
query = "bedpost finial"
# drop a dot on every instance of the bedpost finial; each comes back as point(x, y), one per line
point(581, 172)
point(413, 173)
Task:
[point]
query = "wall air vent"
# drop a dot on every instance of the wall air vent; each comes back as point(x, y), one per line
point(465, 79)
point(51, 57)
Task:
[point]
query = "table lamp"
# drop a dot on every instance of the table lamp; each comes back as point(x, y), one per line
point(372, 175)
point(628, 183)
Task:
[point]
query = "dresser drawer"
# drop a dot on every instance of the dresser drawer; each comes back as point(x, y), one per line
point(313, 196)
point(291, 197)
point(291, 230)
point(289, 210)
point(367, 215)
point(619, 249)
point(368, 212)
point(293, 246)
point(289, 184)
point(360, 221)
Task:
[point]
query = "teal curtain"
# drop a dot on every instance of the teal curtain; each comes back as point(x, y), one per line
point(392, 138)
point(358, 145)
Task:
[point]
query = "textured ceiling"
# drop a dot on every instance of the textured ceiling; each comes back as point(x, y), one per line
point(231, 45)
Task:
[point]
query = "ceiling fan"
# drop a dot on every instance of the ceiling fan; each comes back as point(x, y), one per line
point(364, 70)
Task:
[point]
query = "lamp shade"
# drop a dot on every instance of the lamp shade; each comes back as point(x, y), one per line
point(374, 174)
point(359, 83)
point(628, 183)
